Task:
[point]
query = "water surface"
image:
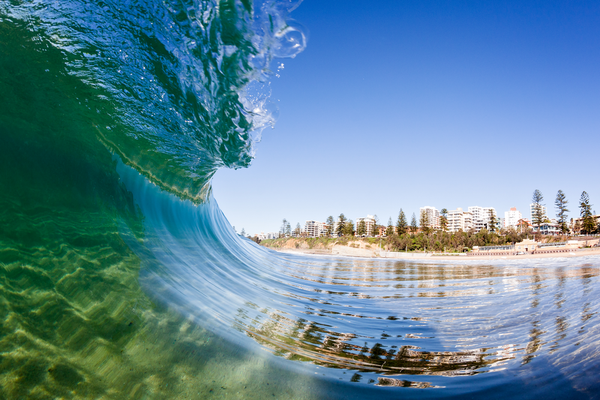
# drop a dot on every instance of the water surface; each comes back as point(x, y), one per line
point(121, 278)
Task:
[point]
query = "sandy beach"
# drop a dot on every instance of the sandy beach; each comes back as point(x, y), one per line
point(595, 251)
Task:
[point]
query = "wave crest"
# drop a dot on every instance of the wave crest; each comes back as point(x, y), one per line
point(177, 89)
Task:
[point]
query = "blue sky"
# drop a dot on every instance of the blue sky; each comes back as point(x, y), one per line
point(403, 104)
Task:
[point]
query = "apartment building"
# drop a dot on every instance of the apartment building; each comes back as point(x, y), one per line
point(433, 216)
point(315, 228)
point(532, 210)
point(512, 218)
point(459, 220)
point(481, 217)
point(369, 223)
point(268, 235)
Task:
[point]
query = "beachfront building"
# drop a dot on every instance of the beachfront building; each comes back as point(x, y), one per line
point(433, 216)
point(315, 228)
point(523, 225)
point(459, 220)
point(481, 217)
point(548, 228)
point(512, 217)
point(369, 224)
point(532, 210)
point(268, 235)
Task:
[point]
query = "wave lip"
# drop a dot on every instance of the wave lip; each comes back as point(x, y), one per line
point(178, 90)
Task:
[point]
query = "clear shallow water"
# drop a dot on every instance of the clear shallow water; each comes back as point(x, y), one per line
point(121, 278)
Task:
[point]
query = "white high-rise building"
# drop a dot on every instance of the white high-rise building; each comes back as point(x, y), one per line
point(532, 210)
point(268, 235)
point(459, 220)
point(369, 223)
point(315, 228)
point(512, 217)
point(433, 216)
point(481, 217)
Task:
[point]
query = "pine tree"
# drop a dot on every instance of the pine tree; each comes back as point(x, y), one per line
point(562, 210)
point(361, 228)
point(288, 229)
point(284, 225)
point(348, 229)
point(341, 223)
point(413, 224)
point(401, 225)
point(538, 214)
point(492, 221)
point(424, 222)
point(330, 224)
point(298, 230)
point(444, 219)
point(588, 224)
point(375, 228)
point(389, 231)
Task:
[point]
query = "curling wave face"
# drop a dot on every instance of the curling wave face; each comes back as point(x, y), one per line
point(121, 278)
point(172, 87)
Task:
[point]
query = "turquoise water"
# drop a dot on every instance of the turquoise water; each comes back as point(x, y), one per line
point(121, 278)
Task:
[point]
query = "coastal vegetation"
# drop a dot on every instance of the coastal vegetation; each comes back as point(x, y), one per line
point(538, 216)
point(437, 241)
point(588, 225)
point(561, 211)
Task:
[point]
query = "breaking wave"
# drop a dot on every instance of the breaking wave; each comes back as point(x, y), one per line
point(120, 276)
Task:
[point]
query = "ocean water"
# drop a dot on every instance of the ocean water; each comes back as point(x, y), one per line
point(121, 278)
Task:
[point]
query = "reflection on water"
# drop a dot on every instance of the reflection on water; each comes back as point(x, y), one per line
point(406, 318)
point(376, 322)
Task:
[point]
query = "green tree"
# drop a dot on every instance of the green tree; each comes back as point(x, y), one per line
point(561, 211)
point(492, 221)
point(538, 213)
point(444, 219)
point(298, 230)
point(389, 231)
point(361, 228)
point(588, 225)
point(424, 222)
point(348, 229)
point(340, 227)
point(401, 224)
point(330, 224)
point(288, 229)
point(283, 227)
point(375, 228)
point(413, 224)
point(255, 239)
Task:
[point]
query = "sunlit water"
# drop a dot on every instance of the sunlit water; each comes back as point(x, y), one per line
point(121, 278)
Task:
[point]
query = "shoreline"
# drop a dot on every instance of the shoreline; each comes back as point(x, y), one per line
point(429, 256)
